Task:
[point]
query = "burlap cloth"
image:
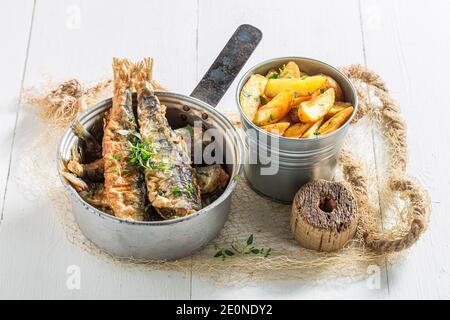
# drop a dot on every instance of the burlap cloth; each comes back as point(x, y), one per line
point(393, 209)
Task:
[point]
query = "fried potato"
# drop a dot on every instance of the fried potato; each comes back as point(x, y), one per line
point(277, 128)
point(317, 93)
point(250, 95)
point(336, 121)
point(297, 130)
point(290, 70)
point(313, 110)
point(338, 107)
point(302, 87)
point(299, 99)
point(313, 130)
point(274, 110)
point(331, 83)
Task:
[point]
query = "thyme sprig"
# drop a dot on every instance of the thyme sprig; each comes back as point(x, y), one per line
point(246, 248)
point(189, 191)
point(143, 152)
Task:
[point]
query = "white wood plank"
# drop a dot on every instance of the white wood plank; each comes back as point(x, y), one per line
point(35, 253)
point(332, 34)
point(13, 16)
point(406, 44)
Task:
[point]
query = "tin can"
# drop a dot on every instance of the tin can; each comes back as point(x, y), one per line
point(277, 166)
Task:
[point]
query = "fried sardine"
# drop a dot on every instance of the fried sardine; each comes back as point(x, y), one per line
point(170, 179)
point(124, 182)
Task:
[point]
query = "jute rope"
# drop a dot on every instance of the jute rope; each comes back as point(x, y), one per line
point(393, 127)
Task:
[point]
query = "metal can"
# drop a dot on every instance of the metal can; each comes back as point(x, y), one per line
point(277, 166)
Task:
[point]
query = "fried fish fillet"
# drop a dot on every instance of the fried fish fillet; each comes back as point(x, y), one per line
point(171, 185)
point(124, 182)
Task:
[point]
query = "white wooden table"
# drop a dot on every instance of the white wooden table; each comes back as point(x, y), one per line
point(404, 41)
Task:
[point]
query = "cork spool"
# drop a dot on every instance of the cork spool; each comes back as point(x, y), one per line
point(324, 215)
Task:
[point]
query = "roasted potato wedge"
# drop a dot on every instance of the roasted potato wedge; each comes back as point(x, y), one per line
point(290, 70)
point(338, 107)
point(297, 130)
point(342, 104)
point(299, 99)
point(336, 121)
point(277, 128)
point(331, 83)
point(274, 110)
point(313, 131)
point(302, 87)
point(313, 110)
point(250, 95)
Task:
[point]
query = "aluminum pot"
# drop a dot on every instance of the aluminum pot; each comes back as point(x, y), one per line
point(169, 239)
point(177, 238)
point(278, 166)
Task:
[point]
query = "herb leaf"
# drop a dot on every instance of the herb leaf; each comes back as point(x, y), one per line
point(262, 100)
point(247, 248)
point(228, 252)
point(250, 240)
point(273, 75)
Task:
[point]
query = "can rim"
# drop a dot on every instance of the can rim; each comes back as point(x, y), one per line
point(234, 179)
point(272, 135)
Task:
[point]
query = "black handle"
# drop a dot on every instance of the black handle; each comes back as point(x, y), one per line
point(227, 65)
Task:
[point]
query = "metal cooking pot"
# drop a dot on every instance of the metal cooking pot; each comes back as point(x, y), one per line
point(278, 166)
point(173, 239)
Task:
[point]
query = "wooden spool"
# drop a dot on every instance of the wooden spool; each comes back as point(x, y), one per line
point(324, 215)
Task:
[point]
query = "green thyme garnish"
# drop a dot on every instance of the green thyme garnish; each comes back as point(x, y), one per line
point(245, 248)
point(177, 192)
point(189, 191)
point(143, 153)
point(273, 75)
point(115, 168)
point(322, 91)
point(271, 117)
point(115, 157)
point(303, 77)
point(235, 177)
point(262, 100)
point(224, 253)
point(316, 133)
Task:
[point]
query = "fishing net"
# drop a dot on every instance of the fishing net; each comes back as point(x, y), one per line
point(393, 208)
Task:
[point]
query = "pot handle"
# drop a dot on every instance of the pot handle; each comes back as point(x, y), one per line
point(227, 65)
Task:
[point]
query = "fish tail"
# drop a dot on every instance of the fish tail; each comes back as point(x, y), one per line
point(143, 74)
point(123, 75)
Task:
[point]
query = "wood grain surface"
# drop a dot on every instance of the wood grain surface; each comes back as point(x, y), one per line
point(405, 41)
